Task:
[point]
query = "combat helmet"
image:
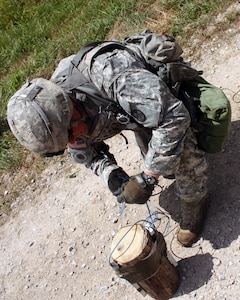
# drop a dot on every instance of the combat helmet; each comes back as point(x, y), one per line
point(39, 115)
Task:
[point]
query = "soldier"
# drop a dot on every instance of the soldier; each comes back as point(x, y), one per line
point(46, 115)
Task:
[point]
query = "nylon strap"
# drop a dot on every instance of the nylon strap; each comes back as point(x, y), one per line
point(76, 81)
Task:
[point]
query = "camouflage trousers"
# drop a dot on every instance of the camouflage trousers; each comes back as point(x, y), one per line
point(191, 175)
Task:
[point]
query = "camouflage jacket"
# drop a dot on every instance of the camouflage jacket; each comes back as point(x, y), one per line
point(125, 79)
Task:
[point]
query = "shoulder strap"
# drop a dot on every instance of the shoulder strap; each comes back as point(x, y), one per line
point(107, 46)
point(79, 56)
point(77, 82)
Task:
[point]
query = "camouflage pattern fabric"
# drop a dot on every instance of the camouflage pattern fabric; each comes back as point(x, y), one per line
point(166, 141)
point(148, 100)
point(39, 115)
point(191, 176)
point(143, 95)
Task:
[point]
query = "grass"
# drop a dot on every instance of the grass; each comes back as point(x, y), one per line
point(36, 34)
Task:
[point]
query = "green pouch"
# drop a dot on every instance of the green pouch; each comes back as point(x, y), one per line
point(214, 116)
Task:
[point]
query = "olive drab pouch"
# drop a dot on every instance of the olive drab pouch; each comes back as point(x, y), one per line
point(210, 111)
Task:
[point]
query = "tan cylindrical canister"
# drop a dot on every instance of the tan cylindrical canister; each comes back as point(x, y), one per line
point(141, 258)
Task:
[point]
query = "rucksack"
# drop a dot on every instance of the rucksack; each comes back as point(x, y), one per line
point(208, 106)
point(210, 113)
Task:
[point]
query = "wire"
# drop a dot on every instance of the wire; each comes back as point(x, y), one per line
point(114, 264)
point(158, 193)
point(154, 217)
point(234, 94)
point(148, 224)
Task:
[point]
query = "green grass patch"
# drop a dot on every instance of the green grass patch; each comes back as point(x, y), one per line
point(35, 35)
point(190, 16)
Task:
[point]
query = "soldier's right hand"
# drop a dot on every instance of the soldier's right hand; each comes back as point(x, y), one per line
point(136, 190)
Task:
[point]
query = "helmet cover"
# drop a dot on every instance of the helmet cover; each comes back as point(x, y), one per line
point(39, 115)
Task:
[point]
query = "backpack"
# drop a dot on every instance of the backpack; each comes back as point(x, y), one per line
point(208, 106)
point(210, 113)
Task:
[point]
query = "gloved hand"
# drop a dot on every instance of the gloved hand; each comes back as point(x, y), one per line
point(116, 180)
point(137, 190)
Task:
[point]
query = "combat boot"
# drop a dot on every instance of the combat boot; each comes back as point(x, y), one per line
point(192, 220)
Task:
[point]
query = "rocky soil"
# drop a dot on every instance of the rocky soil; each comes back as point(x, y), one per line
point(56, 243)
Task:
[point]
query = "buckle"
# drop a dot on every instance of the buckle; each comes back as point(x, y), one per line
point(122, 119)
point(149, 179)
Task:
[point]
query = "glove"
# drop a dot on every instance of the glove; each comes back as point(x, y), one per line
point(137, 190)
point(116, 180)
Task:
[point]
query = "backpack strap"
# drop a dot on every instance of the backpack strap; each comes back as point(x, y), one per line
point(106, 47)
point(76, 81)
point(79, 56)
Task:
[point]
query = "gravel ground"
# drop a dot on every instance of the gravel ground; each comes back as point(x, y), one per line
point(56, 243)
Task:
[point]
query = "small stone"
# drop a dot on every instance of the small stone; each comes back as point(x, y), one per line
point(216, 261)
point(221, 277)
point(104, 288)
point(115, 220)
point(74, 263)
point(184, 278)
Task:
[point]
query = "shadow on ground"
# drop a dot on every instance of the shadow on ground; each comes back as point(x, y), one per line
point(222, 226)
point(199, 266)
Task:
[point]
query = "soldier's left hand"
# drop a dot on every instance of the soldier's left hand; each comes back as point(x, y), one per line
point(117, 178)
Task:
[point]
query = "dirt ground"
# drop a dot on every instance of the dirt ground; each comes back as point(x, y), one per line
point(56, 243)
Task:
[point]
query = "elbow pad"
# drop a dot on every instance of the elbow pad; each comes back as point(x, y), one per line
point(82, 156)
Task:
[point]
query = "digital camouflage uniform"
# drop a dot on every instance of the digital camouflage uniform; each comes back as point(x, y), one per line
point(140, 84)
point(167, 143)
